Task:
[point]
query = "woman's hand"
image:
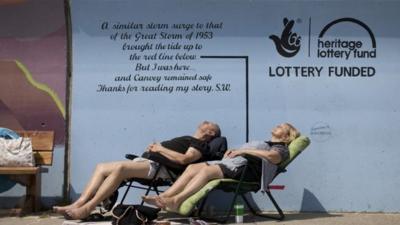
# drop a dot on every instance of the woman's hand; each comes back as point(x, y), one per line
point(233, 153)
point(227, 153)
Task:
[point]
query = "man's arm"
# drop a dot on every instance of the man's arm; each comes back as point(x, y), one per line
point(273, 156)
point(190, 156)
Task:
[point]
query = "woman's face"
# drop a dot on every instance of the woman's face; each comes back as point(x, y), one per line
point(281, 131)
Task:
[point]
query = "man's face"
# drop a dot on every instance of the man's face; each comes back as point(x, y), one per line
point(205, 130)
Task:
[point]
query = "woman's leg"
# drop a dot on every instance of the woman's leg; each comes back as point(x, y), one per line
point(197, 182)
point(178, 185)
point(118, 173)
point(184, 179)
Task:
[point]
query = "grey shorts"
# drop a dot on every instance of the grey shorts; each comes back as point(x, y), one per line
point(231, 167)
point(153, 168)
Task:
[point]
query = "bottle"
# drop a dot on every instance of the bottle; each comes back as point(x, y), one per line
point(239, 211)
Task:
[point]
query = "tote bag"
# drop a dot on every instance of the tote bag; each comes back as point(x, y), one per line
point(16, 152)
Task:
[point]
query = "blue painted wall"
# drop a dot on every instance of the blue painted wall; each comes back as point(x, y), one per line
point(351, 164)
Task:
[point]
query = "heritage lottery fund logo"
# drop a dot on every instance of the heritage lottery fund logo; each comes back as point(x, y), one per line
point(329, 45)
point(288, 44)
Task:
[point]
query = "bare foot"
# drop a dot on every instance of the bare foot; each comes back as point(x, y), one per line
point(170, 204)
point(160, 203)
point(152, 200)
point(77, 213)
point(62, 209)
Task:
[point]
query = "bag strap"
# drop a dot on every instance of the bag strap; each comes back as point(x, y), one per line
point(122, 215)
point(141, 217)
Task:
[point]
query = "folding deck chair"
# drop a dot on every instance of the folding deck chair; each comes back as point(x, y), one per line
point(240, 188)
point(218, 146)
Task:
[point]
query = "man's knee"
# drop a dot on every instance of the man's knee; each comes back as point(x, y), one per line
point(119, 168)
point(101, 168)
point(107, 168)
point(196, 167)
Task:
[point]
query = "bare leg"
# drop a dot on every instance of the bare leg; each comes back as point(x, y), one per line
point(178, 185)
point(119, 172)
point(100, 173)
point(201, 178)
point(191, 171)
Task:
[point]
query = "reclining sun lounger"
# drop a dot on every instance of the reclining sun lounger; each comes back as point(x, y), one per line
point(218, 146)
point(240, 188)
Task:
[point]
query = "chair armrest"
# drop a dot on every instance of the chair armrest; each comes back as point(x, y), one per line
point(131, 156)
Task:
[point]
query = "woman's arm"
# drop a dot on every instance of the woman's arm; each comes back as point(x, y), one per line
point(272, 155)
point(191, 154)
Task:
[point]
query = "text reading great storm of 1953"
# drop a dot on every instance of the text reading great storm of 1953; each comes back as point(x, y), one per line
point(161, 57)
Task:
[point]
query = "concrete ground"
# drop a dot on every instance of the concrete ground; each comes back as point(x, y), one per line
point(47, 218)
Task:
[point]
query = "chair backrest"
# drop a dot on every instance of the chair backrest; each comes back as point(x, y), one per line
point(295, 148)
point(218, 147)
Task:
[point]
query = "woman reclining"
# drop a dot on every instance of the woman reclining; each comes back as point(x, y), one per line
point(231, 166)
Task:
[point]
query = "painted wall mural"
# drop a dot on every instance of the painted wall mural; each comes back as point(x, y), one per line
point(33, 65)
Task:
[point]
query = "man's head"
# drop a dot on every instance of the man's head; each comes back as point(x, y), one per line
point(285, 132)
point(207, 131)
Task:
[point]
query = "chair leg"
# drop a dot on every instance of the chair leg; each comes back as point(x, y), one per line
point(156, 190)
point(126, 192)
point(152, 185)
point(280, 215)
point(148, 191)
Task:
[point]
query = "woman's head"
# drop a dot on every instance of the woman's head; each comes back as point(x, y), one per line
point(207, 131)
point(284, 132)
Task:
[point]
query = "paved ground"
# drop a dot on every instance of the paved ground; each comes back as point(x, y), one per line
point(291, 219)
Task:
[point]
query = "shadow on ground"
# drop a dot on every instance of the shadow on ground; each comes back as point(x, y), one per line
point(292, 216)
point(250, 218)
point(15, 213)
